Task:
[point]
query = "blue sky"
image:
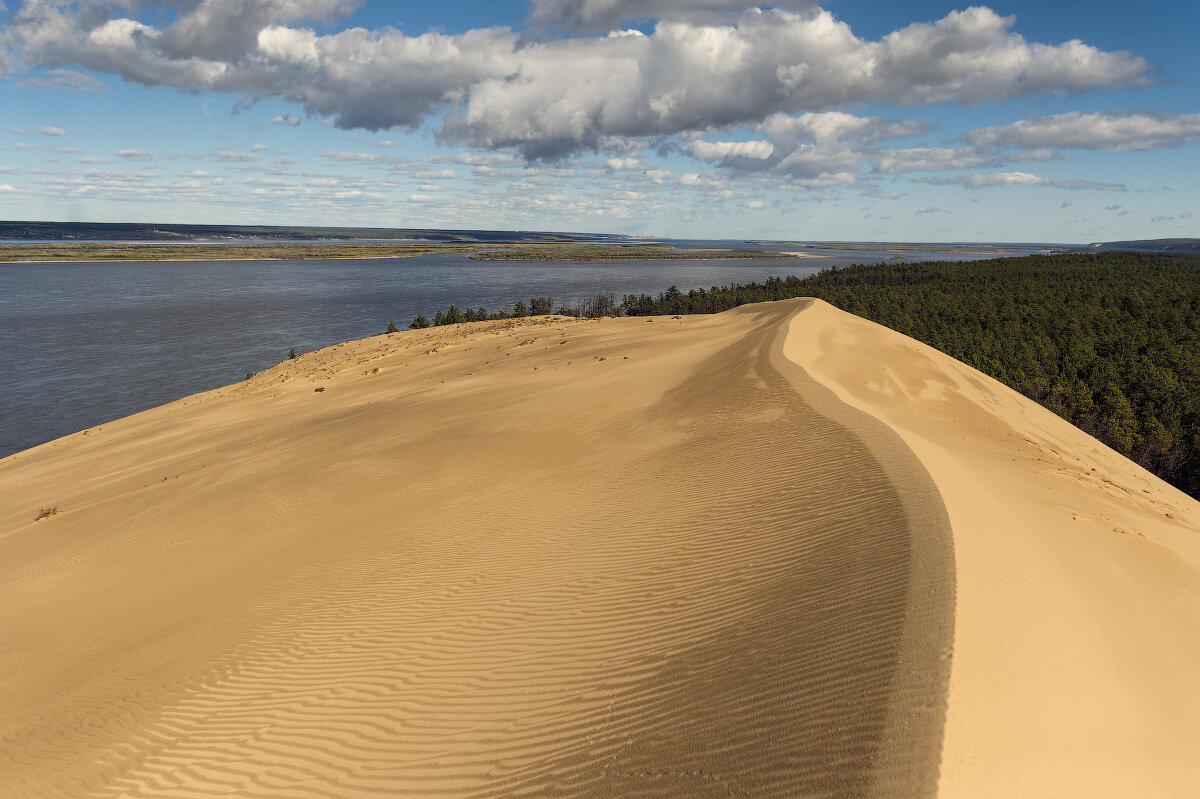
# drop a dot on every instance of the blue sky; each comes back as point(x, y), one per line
point(1069, 121)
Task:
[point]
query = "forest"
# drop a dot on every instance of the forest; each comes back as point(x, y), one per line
point(1110, 342)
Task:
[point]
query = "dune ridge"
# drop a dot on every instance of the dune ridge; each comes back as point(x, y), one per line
point(548, 558)
point(1078, 577)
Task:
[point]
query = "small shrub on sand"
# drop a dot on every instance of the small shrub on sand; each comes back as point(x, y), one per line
point(45, 513)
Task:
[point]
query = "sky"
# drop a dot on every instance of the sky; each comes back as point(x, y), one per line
point(857, 120)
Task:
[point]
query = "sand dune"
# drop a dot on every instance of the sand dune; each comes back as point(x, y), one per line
point(1078, 596)
point(700, 556)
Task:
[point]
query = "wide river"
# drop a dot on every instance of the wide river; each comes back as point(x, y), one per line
point(85, 343)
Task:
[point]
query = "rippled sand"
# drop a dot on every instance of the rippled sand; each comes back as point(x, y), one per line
point(700, 556)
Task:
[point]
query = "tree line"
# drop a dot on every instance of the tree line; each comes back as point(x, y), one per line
point(1110, 341)
point(538, 306)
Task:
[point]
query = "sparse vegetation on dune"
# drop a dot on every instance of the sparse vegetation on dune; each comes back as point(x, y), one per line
point(594, 307)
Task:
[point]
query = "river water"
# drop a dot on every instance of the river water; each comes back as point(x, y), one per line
point(85, 343)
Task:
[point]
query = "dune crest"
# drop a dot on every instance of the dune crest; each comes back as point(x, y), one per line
point(1078, 598)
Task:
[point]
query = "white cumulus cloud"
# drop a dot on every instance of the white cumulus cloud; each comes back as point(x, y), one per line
point(551, 98)
point(625, 164)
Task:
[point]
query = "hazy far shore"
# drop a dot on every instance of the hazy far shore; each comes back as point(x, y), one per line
point(83, 253)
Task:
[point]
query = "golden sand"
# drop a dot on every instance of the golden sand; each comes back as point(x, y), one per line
point(1077, 613)
point(775, 552)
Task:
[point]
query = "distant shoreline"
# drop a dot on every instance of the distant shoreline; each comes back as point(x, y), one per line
point(155, 253)
point(205, 260)
point(958, 249)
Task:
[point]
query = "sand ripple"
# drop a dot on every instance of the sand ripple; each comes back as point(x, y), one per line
point(706, 591)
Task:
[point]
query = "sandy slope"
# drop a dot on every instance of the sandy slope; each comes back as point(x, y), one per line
point(620, 558)
point(1077, 647)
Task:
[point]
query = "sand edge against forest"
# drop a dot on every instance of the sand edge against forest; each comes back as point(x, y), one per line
point(1078, 577)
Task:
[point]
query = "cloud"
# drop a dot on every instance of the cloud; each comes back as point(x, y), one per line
point(555, 97)
point(1186, 215)
point(8, 187)
point(833, 126)
point(1112, 208)
point(1094, 131)
point(625, 164)
point(287, 119)
point(1093, 185)
point(334, 155)
point(51, 131)
point(926, 210)
point(64, 79)
point(1066, 204)
point(436, 174)
point(479, 159)
point(689, 77)
point(135, 155)
point(981, 180)
point(230, 157)
point(721, 150)
point(604, 15)
point(812, 150)
point(987, 180)
point(942, 159)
